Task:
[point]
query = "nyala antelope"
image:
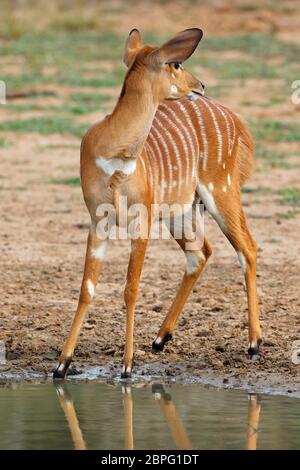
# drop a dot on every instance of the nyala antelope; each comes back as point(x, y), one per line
point(165, 142)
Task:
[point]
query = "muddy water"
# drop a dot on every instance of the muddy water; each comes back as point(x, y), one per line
point(102, 416)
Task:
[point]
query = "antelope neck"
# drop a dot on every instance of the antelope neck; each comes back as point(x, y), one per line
point(132, 119)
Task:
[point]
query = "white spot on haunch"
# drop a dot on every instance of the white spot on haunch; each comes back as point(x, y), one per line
point(111, 165)
point(210, 187)
point(228, 179)
point(224, 165)
point(100, 251)
point(90, 287)
point(224, 189)
point(242, 261)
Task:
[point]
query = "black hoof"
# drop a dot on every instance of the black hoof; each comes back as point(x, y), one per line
point(61, 369)
point(158, 346)
point(253, 351)
point(126, 372)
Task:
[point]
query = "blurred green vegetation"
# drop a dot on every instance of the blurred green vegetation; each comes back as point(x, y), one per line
point(83, 69)
point(45, 125)
point(289, 196)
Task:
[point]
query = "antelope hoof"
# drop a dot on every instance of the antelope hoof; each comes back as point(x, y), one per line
point(253, 350)
point(126, 372)
point(61, 369)
point(159, 343)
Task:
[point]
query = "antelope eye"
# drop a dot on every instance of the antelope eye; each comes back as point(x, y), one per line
point(177, 66)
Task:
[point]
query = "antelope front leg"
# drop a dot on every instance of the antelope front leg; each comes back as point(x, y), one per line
point(138, 250)
point(95, 254)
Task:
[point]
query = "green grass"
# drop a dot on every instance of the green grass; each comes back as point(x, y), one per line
point(276, 131)
point(259, 189)
point(59, 146)
point(25, 107)
point(262, 46)
point(63, 48)
point(248, 190)
point(45, 125)
point(289, 215)
point(239, 69)
point(89, 98)
point(274, 158)
point(81, 109)
point(97, 82)
point(4, 143)
point(289, 197)
point(73, 181)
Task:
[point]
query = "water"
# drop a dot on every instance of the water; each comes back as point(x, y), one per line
point(101, 416)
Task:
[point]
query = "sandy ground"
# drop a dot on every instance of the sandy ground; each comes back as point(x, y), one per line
point(43, 233)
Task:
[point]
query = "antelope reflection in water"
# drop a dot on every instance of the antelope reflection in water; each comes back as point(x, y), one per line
point(168, 411)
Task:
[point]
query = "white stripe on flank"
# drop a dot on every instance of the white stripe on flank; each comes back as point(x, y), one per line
point(168, 133)
point(227, 127)
point(232, 140)
point(189, 121)
point(183, 140)
point(162, 170)
point(203, 133)
point(218, 132)
point(177, 153)
point(191, 126)
point(166, 148)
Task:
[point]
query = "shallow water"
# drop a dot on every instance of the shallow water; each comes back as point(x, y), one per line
point(89, 415)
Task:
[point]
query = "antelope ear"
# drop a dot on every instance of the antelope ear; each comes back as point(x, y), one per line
point(179, 48)
point(132, 46)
